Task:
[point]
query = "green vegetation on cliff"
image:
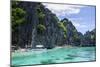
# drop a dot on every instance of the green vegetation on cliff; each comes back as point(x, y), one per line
point(62, 26)
point(17, 16)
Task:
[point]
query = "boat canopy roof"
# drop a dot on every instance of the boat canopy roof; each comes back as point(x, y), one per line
point(39, 46)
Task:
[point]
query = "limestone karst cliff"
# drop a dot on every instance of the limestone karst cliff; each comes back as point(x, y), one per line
point(42, 27)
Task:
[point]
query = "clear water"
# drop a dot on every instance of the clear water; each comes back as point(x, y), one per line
point(56, 55)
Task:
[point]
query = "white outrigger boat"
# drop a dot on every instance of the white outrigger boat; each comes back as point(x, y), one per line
point(39, 48)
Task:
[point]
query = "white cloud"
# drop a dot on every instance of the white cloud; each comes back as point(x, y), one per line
point(79, 25)
point(62, 9)
point(76, 18)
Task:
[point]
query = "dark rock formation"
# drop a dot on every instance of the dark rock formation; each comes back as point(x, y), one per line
point(42, 27)
point(89, 38)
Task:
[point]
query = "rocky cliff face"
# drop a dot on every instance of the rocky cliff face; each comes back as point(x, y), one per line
point(30, 33)
point(89, 38)
point(42, 27)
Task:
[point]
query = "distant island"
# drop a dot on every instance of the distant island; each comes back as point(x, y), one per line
point(32, 24)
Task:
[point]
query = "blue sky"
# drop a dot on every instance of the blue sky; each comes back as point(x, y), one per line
point(82, 17)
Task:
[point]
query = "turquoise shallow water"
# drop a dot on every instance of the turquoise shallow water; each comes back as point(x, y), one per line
point(56, 55)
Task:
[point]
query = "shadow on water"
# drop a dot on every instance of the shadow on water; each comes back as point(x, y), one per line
point(50, 61)
point(72, 55)
point(69, 58)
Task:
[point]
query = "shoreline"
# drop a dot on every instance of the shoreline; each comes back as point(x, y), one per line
point(37, 49)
